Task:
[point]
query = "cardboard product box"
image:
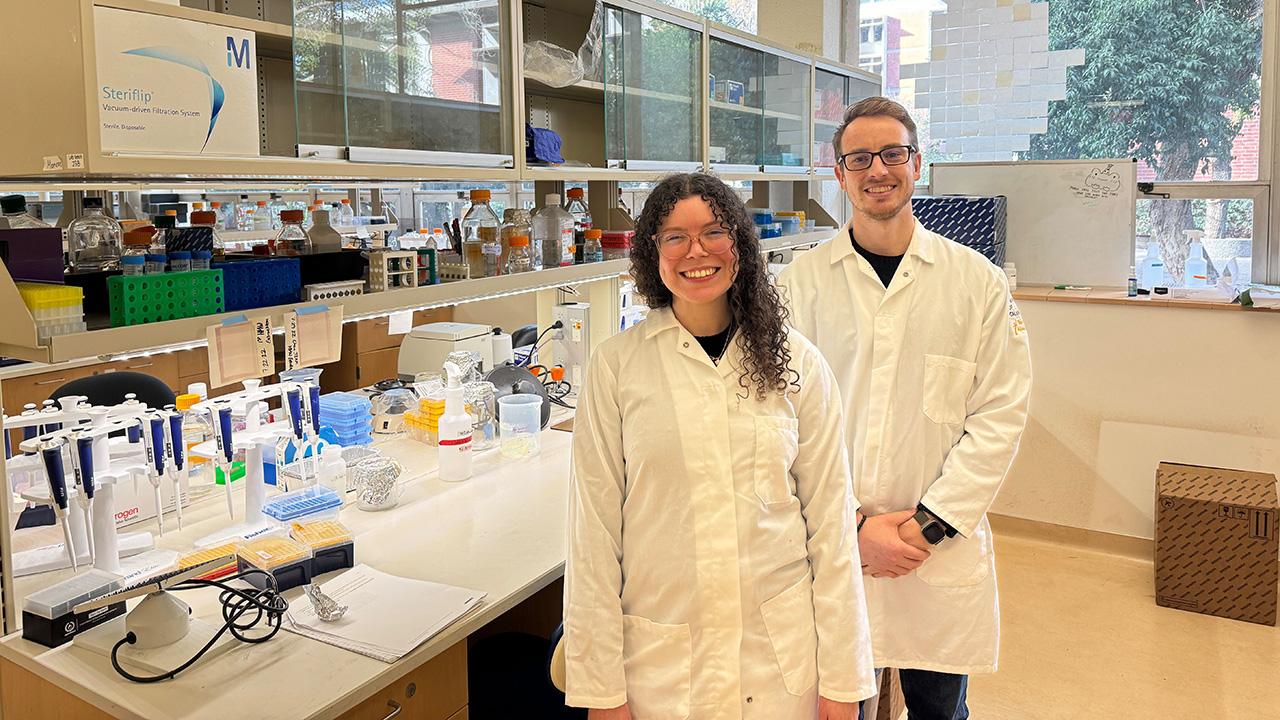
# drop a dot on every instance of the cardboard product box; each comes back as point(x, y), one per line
point(977, 222)
point(1216, 542)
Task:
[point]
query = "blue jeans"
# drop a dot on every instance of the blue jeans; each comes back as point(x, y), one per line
point(932, 695)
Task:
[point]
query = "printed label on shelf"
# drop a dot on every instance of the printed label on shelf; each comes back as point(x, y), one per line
point(75, 161)
point(52, 162)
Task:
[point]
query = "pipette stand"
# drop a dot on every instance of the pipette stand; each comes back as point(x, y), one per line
point(110, 545)
point(255, 493)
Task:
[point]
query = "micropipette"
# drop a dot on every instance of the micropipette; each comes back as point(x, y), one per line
point(220, 418)
point(293, 408)
point(58, 490)
point(313, 441)
point(153, 441)
point(175, 449)
point(82, 462)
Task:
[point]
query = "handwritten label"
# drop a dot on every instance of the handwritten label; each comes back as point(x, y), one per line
point(52, 163)
point(266, 349)
point(292, 354)
point(75, 161)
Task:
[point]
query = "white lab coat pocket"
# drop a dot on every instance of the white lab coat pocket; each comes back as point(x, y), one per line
point(777, 445)
point(959, 561)
point(788, 617)
point(947, 381)
point(658, 661)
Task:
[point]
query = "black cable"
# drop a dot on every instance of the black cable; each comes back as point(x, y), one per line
point(557, 325)
point(235, 604)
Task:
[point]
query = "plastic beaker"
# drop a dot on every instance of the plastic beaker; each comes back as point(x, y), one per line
point(520, 420)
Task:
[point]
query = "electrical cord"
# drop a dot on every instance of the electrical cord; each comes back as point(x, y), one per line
point(236, 603)
point(557, 325)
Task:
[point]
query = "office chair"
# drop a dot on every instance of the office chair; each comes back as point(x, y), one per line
point(110, 389)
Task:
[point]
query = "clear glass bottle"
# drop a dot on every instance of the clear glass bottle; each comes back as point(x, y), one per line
point(244, 214)
point(276, 206)
point(14, 208)
point(479, 229)
point(553, 233)
point(520, 259)
point(138, 242)
point(261, 216)
point(515, 222)
point(594, 250)
point(94, 239)
point(577, 207)
point(293, 239)
point(164, 225)
point(346, 216)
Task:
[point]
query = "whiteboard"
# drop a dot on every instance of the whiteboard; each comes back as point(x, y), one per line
point(1069, 221)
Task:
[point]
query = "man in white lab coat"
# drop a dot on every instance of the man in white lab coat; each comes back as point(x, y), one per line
point(931, 355)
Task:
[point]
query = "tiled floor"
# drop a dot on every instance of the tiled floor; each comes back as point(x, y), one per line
point(1083, 638)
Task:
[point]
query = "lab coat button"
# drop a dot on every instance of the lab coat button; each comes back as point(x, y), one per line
point(686, 345)
point(748, 701)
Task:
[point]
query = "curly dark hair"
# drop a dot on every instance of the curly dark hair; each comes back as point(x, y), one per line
point(758, 313)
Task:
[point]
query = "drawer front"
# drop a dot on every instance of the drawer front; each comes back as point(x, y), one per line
point(163, 366)
point(436, 690)
point(37, 388)
point(372, 334)
point(193, 362)
point(372, 367)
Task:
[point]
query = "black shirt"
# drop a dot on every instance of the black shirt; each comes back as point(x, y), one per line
point(715, 345)
point(884, 265)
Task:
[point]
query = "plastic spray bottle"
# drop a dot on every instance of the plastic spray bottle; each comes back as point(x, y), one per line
point(455, 430)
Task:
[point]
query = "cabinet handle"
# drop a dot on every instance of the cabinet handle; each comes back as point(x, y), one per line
point(139, 366)
point(396, 708)
point(50, 382)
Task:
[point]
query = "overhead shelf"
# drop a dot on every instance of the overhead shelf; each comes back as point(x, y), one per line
point(17, 329)
point(748, 110)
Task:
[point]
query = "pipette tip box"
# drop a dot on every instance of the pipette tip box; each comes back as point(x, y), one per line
point(331, 542)
point(48, 617)
point(288, 560)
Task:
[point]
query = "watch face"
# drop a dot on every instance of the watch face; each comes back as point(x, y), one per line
point(933, 532)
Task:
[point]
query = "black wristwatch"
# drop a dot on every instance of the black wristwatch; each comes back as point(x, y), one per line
point(931, 527)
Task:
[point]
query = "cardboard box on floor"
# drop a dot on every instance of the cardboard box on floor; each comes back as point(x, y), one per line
point(1217, 542)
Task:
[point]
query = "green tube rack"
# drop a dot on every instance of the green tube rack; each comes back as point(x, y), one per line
point(139, 299)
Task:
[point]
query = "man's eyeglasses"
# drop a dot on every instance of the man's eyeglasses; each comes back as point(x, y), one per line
point(896, 155)
point(714, 240)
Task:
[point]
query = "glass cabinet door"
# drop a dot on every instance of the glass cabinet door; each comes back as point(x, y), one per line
point(319, 97)
point(737, 106)
point(421, 82)
point(786, 114)
point(652, 71)
point(829, 101)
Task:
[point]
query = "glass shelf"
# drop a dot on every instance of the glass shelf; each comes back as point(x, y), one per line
point(835, 90)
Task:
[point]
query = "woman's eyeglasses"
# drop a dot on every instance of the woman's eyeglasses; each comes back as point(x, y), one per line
point(676, 244)
point(890, 156)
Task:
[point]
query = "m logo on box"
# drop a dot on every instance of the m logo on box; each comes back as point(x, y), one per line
point(238, 56)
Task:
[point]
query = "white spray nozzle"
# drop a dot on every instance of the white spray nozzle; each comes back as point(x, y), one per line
point(454, 373)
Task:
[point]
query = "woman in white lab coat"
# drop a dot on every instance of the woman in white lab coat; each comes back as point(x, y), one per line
point(712, 566)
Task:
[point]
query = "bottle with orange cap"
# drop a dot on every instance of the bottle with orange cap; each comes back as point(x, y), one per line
point(519, 259)
point(480, 230)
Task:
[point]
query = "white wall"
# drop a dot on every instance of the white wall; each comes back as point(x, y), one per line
point(1118, 389)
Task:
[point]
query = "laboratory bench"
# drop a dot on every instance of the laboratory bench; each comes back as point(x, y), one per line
point(501, 532)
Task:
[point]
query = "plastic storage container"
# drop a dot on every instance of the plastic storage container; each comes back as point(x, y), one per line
point(251, 284)
point(141, 299)
point(520, 421)
point(180, 261)
point(617, 244)
point(288, 560)
point(56, 309)
point(133, 265)
point(349, 415)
